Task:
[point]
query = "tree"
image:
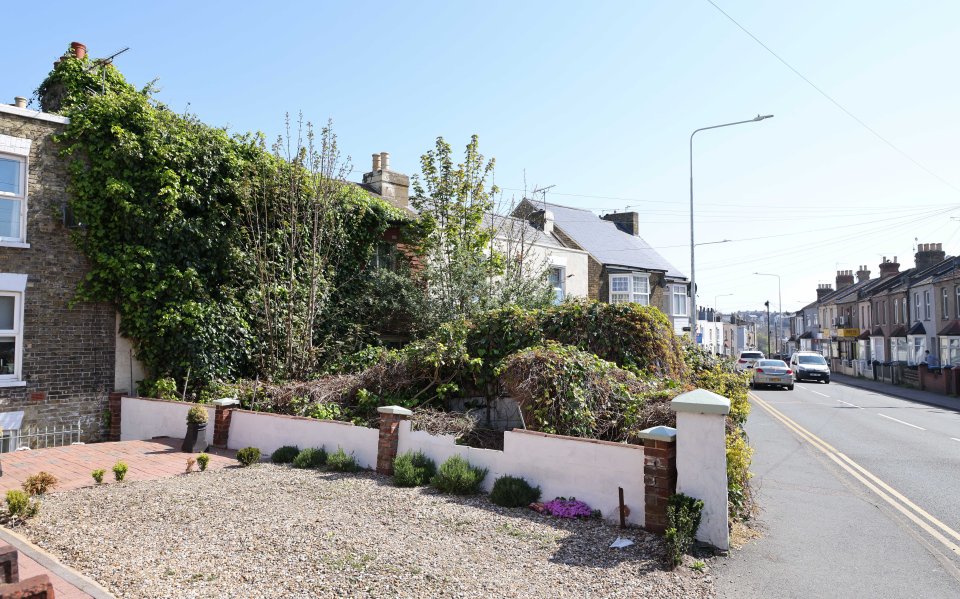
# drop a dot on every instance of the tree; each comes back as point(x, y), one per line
point(464, 271)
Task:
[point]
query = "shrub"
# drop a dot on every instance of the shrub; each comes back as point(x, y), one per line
point(119, 471)
point(310, 457)
point(191, 461)
point(98, 475)
point(413, 469)
point(39, 483)
point(457, 476)
point(203, 459)
point(197, 415)
point(20, 506)
point(739, 456)
point(683, 519)
point(248, 456)
point(162, 388)
point(511, 491)
point(285, 454)
point(339, 461)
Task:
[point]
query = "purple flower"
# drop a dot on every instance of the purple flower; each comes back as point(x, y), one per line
point(562, 507)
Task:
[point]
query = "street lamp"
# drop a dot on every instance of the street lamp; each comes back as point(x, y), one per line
point(779, 308)
point(693, 274)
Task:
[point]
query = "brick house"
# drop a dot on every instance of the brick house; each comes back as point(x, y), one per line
point(56, 359)
point(622, 267)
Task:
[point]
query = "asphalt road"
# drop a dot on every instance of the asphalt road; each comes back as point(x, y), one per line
point(859, 496)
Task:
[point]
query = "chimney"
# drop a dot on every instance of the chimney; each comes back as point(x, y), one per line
point(929, 254)
point(823, 289)
point(393, 187)
point(543, 220)
point(889, 269)
point(863, 274)
point(20, 102)
point(79, 50)
point(628, 222)
point(844, 279)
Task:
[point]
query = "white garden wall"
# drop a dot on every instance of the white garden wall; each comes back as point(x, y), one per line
point(144, 418)
point(269, 432)
point(589, 470)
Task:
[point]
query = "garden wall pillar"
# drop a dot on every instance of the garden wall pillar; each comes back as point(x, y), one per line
point(659, 475)
point(114, 407)
point(221, 420)
point(390, 418)
point(702, 459)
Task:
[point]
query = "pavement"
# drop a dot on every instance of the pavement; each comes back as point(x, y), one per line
point(857, 491)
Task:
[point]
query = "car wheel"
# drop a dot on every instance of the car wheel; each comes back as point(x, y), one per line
point(826, 382)
point(789, 387)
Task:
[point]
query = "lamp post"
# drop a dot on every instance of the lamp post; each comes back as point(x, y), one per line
point(693, 272)
point(779, 308)
point(767, 304)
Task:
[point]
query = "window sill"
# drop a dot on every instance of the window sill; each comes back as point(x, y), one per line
point(14, 244)
point(13, 383)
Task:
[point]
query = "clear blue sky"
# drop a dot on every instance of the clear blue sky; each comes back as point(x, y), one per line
point(598, 99)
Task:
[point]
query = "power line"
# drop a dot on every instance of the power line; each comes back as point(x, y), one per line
point(836, 103)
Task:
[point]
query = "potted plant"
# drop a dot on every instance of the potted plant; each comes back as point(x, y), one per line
point(196, 438)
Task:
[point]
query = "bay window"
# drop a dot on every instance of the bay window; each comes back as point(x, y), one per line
point(630, 288)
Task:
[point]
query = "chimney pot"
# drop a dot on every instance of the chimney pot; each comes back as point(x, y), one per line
point(376, 163)
point(79, 50)
point(20, 102)
point(385, 161)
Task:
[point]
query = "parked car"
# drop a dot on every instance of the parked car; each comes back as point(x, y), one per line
point(772, 372)
point(810, 366)
point(747, 359)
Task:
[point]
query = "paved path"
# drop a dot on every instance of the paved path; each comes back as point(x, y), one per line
point(858, 493)
point(73, 464)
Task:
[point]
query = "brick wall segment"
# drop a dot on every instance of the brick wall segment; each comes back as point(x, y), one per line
point(9, 568)
point(36, 587)
point(659, 475)
point(389, 439)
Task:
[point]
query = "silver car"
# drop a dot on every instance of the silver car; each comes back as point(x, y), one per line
point(747, 359)
point(772, 372)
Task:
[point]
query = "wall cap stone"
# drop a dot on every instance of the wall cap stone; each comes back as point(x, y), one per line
point(226, 401)
point(659, 433)
point(34, 114)
point(394, 410)
point(701, 401)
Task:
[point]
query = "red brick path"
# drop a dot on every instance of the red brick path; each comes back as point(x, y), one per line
point(72, 465)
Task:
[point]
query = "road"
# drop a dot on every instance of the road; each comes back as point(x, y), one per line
point(859, 496)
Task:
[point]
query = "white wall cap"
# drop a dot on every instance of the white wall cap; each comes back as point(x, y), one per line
point(394, 410)
point(226, 401)
point(34, 114)
point(659, 433)
point(701, 401)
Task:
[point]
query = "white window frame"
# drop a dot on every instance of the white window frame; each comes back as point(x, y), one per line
point(926, 304)
point(916, 302)
point(632, 294)
point(679, 293)
point(14, 285)
point(945, 295)
point(17, 149)
point(896, 311)
point(559, 290)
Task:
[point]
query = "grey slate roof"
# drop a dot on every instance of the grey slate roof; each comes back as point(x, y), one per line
point(508, 226)
point(608, 244)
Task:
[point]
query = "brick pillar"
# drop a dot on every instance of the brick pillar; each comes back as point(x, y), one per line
point(114, 406)
point(390, 418)
point(221, 420)
point(36, 587)
point(659, 475)
point(9, 571)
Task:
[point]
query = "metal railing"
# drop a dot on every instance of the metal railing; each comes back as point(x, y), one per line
point(35, 437)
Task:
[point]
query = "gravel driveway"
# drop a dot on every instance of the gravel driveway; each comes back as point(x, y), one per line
point(273, 531)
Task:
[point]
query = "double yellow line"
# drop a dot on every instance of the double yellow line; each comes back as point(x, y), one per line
point(929, 524)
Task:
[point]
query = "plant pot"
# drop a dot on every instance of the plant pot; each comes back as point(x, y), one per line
point(195, 440)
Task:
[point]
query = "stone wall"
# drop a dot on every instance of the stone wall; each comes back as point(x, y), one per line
point(68, 351)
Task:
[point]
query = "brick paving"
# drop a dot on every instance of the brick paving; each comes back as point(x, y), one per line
point(61, 588)
point(72, 465)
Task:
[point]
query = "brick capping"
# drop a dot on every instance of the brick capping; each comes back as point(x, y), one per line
point(390, 419)
point(659, 475)
point(580, 439)
point(35, 587)
point(9, 571)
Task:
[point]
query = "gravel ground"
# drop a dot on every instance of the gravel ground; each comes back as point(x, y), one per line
point(272, 531)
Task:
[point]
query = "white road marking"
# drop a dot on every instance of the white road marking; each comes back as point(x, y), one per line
point(812, 391)
point(955, 439)
point(850, 404)
point(901, 421)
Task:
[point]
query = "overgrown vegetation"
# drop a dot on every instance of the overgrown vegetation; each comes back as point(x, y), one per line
point(512, 491)
point(458, 477)
point(413, 469)
point(683, 520)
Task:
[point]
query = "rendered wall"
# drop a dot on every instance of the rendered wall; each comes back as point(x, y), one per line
point(143, 419)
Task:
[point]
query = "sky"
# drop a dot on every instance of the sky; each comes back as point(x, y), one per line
point(598, 100)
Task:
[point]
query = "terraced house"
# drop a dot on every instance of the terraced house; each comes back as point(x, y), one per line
point(56, 357)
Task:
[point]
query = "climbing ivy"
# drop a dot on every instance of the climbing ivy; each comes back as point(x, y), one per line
point(160, 196)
